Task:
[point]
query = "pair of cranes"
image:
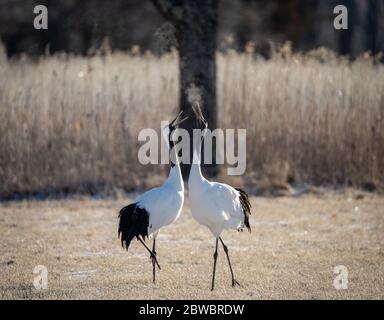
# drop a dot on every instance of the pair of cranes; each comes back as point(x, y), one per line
point(217, 206)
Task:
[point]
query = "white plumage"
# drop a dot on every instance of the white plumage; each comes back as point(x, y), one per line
point(155, 208)
point(215, 205)
point(163, 203)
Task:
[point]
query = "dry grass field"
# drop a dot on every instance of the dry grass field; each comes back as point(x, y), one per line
point(70, 123)
point(295, 244)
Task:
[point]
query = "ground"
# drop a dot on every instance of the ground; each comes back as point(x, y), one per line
point(291, 253)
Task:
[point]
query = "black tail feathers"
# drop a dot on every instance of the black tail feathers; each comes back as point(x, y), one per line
point(133, 222)
point(244, 200)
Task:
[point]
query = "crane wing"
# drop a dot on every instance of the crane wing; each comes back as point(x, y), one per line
point(234, 202)
point(154, 199)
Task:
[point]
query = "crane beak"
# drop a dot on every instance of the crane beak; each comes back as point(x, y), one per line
point(177, 121)
point(199, 114)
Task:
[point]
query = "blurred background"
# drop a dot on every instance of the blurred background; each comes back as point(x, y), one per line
point(74, 97)
point(80, 26)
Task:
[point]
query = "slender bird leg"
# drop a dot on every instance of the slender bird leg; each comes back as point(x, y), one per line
point(234, 281)
point(150, 252)
point(153, 260)
point(214, 265)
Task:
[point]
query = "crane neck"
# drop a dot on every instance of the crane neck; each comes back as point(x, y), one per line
point(175, 177)
point(195, 174)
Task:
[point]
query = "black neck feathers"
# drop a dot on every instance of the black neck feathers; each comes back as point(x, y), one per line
point(171, 144)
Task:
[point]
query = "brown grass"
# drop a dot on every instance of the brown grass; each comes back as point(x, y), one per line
point(291, 253)
point(70, 123)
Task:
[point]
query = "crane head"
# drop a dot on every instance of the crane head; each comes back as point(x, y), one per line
point(168, 130)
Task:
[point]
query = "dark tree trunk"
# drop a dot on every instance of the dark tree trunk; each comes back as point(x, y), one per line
point(196, 27)
point(197, 45)
point(347, 36)
point(372, 26)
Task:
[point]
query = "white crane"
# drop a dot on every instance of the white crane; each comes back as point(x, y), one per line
point(217, 206)
point(156, 207)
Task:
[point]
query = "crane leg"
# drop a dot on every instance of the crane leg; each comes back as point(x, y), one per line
point(234, 281)
point(214, 265)
point(153, 256)
point(153, 260)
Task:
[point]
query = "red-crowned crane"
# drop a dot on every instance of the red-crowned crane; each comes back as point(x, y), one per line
point(156, 207)
point(217, 206)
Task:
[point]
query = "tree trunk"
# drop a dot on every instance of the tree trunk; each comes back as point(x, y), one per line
point(197, 45)
point(347, 36)
point(372, 26)
point(196, 27)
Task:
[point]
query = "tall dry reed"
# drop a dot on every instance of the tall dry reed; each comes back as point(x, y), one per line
point(70, 123)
